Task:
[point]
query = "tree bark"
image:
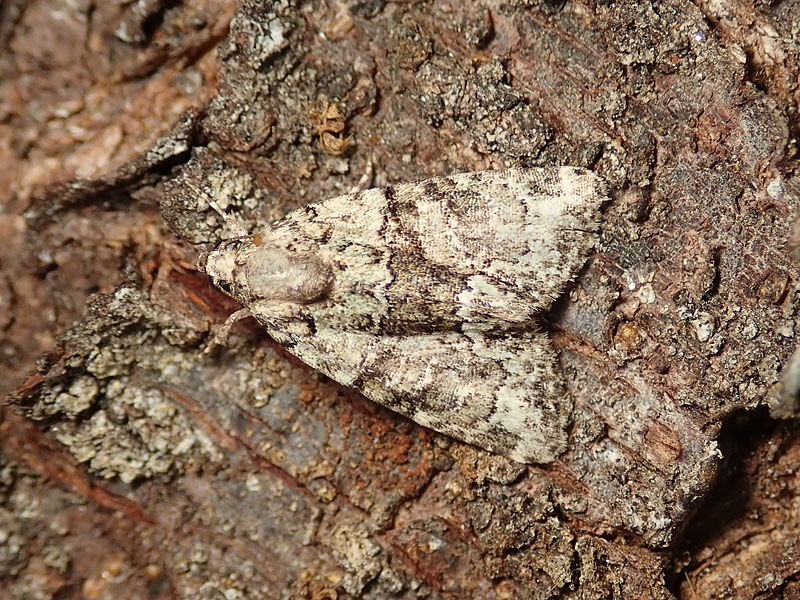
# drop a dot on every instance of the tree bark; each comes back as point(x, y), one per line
point(135, 465)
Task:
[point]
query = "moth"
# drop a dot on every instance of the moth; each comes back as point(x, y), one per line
point(426, 297)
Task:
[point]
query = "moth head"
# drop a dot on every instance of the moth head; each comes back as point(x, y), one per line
point(250, 269)
point(221, 266)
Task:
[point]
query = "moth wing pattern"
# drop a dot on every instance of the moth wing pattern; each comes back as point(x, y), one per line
point(525, 229)
point(503, 394)
point(426, 297)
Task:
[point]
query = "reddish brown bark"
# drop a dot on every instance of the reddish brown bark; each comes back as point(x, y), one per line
point(134, 465)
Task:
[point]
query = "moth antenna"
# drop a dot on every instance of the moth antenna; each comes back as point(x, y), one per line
point(238, 229)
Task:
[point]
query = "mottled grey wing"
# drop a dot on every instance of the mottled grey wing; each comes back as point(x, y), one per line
point(529, 230)
point(489, 249)
point(504, 394)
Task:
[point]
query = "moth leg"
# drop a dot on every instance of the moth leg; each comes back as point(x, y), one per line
point(220, 335)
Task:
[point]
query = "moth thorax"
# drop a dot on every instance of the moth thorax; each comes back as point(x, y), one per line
point(275, 274)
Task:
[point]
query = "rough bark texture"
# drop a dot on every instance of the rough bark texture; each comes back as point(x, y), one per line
point(133, 465)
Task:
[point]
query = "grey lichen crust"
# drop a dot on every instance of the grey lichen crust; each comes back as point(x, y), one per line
point(425, 297)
